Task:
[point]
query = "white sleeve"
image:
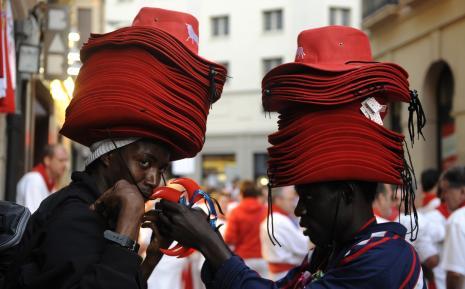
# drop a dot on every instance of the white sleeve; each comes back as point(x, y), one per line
point(425, 247)
point(292, 238)
point(29, 192)
point(454, 253)
point(436, 226)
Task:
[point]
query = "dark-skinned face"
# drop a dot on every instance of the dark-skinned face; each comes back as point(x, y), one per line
point(317, 209)
point(145, 159)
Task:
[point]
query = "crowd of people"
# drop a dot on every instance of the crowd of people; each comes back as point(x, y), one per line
point(440, 241)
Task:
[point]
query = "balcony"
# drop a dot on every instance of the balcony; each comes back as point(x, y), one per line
point(377, 11)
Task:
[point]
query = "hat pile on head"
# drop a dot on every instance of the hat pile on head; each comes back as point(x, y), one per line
point(146, 81)
point(331, 103)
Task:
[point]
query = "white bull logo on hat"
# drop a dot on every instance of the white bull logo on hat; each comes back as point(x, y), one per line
point(192, 35)
point(300, 52)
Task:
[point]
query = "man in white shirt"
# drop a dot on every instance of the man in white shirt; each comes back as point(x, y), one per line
point(294, 244)
point(454, 247)
point(38, 184)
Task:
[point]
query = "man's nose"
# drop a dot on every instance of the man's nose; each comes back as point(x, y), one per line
point(152, 178)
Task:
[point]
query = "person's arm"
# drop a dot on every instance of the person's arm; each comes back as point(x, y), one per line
point(31, 192)
point(153, 254)
point(74, 252)
point(76, 255)
point(454, 255)
point(454, 280)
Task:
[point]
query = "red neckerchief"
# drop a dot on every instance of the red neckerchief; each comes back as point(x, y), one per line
point(443, 210)
point(40, 168)
point(277, 209)
point(428, 198)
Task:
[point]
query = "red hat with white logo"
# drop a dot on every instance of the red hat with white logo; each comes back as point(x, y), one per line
point(146, 81)
point(331, 103)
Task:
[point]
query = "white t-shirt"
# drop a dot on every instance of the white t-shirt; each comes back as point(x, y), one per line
point(437, 232)
point(31, 191)
point(295, 245)
point(454, 245)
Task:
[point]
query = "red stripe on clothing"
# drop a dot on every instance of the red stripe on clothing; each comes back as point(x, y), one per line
point(368, 223)
point(279, 267)
point(364, 249)
point(412, 268)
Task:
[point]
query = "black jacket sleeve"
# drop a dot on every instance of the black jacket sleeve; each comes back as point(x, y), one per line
point(74, 254)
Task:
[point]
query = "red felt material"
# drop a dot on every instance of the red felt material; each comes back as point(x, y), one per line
point(322, 133)
point(146, 81)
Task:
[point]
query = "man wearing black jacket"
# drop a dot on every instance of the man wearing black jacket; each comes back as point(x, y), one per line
point(142, 99)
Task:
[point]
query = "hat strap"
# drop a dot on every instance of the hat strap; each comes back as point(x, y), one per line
point(269, 216)
point(212, 95)
point(415, 106)
point(408, 188)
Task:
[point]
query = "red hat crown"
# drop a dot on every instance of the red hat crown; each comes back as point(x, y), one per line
point(333, 48)
point(182, 26)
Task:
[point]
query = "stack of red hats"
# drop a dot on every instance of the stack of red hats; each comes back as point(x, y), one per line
point(331, 103)
point(146, 81)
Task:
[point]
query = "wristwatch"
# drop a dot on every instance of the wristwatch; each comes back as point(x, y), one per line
point(123, 241)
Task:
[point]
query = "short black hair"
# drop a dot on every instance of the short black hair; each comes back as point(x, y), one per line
point(429, 179)
point(455, 176)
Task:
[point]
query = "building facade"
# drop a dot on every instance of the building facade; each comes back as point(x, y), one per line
point(427, 38)
point(250, 38)
point(47, 36)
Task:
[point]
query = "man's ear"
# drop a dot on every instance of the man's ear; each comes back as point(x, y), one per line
point(47, 161)
point(348, 195)
point(106, 159)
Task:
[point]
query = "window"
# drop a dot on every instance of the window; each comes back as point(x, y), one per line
point(273, 20)
point(270, 63)
point(220, 26)
point(217, 169)
point(339, 16)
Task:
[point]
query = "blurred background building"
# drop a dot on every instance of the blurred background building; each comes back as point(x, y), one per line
point(41, 41)
point(427, 38)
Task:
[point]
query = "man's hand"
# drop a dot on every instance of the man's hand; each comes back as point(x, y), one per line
point(454, 280)
point(157, 241)
point(191, 228)
point(122, 204)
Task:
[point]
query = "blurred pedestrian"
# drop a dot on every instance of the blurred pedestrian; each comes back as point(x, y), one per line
point(38, 184)
point(243, 228)
point(383, 204)
point(453, 191)
point(429, 186)
point(294, 244)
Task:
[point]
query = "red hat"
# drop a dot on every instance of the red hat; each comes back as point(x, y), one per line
point(331, 48)
point(331, 103)
point(146, 81)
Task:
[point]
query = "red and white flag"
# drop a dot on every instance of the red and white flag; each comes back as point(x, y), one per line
point(7, 59)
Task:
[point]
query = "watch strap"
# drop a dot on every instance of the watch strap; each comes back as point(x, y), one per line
point(123, 241)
